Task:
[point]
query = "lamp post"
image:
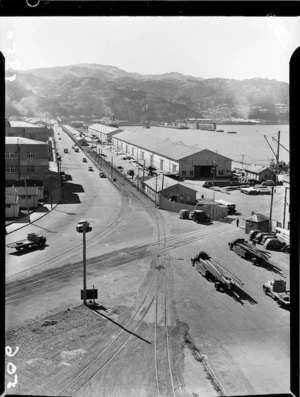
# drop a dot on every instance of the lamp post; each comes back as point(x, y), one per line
point(84, 262)
point(25, 178)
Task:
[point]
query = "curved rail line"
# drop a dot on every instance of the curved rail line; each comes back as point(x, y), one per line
point(14, 287)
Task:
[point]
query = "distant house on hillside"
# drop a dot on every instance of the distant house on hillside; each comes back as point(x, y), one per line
point(259, 173)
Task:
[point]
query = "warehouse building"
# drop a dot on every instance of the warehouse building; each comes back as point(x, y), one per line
point(27, 130)
point(166, 156)
point(197, 124)
point(103, 132)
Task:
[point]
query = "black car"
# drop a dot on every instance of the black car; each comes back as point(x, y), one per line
point(130, 172)
point(102, 174)
point(120, 168)
point(253, 233)
point(103, 154)
point(177, 177)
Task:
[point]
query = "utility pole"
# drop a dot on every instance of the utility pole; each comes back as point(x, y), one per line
point(112, 163)
point(155, 190)
point(271, 208)
point(26, 177)
point(144, 171)
point(84, 263)
point(277, 156)
point(242, 161)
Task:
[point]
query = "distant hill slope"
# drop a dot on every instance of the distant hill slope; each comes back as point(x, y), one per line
point(107, 90)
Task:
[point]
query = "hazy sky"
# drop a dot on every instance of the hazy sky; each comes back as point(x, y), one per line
point(227, 47)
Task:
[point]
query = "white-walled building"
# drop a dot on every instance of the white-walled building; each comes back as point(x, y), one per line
point(103, 132)
point(168, 156)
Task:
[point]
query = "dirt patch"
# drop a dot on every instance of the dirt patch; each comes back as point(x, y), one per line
point(53, 350)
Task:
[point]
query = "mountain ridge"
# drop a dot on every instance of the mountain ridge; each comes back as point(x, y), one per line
point(105, 90)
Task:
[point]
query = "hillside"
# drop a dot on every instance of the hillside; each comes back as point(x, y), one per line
point(99, 90)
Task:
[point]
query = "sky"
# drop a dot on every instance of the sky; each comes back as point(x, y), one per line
point(207, 47)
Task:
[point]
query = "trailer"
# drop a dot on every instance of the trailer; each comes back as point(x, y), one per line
point(214, 271)
point(33, 240)
point(249, 252)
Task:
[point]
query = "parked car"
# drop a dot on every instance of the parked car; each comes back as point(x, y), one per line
point(102, 174)
point(259, 236)
point(253, 233)
point(103, 154)
point(208, 184)
point(267, 236)
point(184, 214)
point(172, 175)
point(84, 160)
point(91, 169)
point(268, 183)
point(191, 214)
point(120, 168)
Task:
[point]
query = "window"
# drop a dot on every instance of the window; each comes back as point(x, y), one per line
point(7, 205)
point(11, 155)
point(183, 172)
point(132, 151)
point(174, 168)
point(192, 173)
point(142, 155)
point(30, 155)
point(161, 164)
point(220, 172)
point(30, 169)
point(11, 170)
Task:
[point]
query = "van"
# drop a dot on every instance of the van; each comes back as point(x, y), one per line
point(201, 217)
point(184, 214)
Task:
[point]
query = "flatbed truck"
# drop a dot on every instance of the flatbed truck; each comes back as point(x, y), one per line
point(33, 240)
point(277, 290)
point(212, 270)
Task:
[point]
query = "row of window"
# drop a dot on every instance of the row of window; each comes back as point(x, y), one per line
point(15, 170)
point(14, 155)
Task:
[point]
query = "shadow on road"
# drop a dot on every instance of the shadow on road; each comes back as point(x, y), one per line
point(99, 308)
point(69, 195)
point(28, 250)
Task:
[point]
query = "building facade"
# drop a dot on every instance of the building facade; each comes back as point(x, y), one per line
point(26, 159)
point(259, 173)
point(27, 130)
point(197, 124)
point(166, 156)
point(12, 207)
point(103, 132)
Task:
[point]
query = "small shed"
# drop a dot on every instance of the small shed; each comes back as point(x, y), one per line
point(258, 222)
point(170, 189)
point(259, 173)
point(12, 207)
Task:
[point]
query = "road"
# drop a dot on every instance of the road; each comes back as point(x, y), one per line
point(139, 258)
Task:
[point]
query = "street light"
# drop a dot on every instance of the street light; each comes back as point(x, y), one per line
point(85, 228)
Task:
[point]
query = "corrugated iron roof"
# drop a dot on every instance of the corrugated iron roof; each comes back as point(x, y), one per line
point(18, 140)
point(161, 183)
point(104, 129)
point(257, 218)
point(257, 169)
point(23, 124)
point(166, 148)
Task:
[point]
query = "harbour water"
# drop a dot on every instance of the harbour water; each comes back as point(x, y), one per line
point(248, 145)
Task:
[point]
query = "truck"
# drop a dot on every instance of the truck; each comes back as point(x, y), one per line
point(230, 206)
point(33, 240)
point(277, 290)
point(211, 270)
point(200, 216)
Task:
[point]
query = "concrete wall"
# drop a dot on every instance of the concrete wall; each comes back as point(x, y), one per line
point(214, 211)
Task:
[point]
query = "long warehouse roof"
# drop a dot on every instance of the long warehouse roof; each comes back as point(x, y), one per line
point(166, 148)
